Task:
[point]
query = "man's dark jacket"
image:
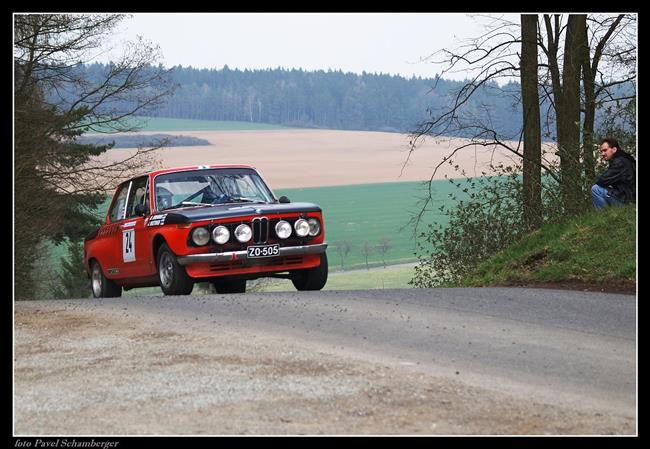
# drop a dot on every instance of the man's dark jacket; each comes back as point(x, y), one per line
point(620, 177)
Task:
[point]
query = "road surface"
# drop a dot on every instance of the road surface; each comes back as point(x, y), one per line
point(412, 361)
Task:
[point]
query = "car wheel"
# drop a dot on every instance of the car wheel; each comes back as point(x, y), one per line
point(230, 286)
point(311, 278)
point(101, 286)
point(172, 275)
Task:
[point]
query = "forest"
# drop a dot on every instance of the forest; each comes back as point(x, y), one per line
point(325, 99)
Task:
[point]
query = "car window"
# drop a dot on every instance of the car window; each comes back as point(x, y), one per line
point(209, 186)
point(136, 196)
point(117, 211)
point(245, 187)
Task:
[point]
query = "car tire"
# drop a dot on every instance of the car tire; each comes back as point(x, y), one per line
point(230, 286)
point(172, 276)
point(102, 287)
point(311, 278)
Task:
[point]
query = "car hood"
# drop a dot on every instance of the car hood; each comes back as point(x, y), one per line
point(189, 214)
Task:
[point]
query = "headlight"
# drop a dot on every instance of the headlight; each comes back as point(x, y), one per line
point(243, 233)
point(302, 227)
point(200, 236)
point(220, 234)
point(314, 227)
point(283, 229)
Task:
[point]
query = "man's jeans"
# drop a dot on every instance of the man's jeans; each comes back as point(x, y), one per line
point(601, 198)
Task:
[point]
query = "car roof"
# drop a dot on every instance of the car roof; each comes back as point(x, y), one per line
point(186, 168)
point(197, 167)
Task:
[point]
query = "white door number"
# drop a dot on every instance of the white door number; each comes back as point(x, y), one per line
point(128, 245)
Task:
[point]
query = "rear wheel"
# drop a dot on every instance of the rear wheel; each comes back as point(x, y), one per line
point(230, 286)
point(172, 275)
point(311, 278)
point(103, 287)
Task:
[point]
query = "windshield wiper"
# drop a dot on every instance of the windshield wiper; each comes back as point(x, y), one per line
point(241, 199)
point(188, 203)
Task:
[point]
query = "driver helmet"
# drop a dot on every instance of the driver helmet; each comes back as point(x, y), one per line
point(164, 198)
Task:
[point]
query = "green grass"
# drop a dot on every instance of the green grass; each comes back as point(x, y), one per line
point(161, 124)
point(370, 212)
point(373, 279)
point(598, 248)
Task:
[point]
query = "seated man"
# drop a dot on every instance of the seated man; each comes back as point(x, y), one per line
point(616, 185)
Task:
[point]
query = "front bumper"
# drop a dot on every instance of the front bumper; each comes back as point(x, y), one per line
point(243, 255)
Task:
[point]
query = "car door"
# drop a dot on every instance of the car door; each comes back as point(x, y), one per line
point(135, 244)
point(110, 251)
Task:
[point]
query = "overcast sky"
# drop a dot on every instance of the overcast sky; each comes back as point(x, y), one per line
point(393, 43)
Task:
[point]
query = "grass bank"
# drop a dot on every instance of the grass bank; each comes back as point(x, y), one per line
point(595, 251)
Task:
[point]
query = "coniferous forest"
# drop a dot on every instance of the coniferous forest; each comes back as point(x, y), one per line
point(327, 99)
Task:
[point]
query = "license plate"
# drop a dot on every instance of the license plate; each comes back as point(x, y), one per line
point(255, 252)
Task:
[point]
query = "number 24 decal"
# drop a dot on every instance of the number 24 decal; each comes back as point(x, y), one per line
point(128, 245)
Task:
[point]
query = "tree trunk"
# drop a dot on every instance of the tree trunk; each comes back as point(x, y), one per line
point(532, 192)
point(569, 126)
point(589, 85)
point(589, 71)
point(566, 95)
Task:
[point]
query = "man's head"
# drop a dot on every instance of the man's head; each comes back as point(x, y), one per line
point(608, 148)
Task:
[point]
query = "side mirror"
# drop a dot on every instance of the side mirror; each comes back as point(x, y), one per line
point(140, 209)
point(284, 199)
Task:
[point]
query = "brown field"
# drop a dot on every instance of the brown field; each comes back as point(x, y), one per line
point(313, 158)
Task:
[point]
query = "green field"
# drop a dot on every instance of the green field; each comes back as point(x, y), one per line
point(370, 212)
point(161, 124)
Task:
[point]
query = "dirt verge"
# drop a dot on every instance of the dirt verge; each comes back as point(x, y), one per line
point(609, 286)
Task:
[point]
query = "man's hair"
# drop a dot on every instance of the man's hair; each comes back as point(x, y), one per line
point(611, 142)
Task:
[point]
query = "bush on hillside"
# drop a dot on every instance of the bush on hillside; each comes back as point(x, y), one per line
point(488, 218)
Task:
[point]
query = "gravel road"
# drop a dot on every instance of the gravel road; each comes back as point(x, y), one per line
point(417, 361)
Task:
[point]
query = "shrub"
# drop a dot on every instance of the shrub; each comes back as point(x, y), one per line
point(485, 217)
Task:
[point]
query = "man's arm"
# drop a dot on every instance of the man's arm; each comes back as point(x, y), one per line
point(614, 174)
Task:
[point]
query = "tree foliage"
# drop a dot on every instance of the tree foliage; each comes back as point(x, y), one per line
point(485, 216)
point(58, 182)
point(72, 283)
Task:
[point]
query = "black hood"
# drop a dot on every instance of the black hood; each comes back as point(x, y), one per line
point(188, 214)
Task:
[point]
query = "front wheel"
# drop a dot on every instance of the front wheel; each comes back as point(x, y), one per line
point(173, 277)
point(311, 278)
point(102, 286)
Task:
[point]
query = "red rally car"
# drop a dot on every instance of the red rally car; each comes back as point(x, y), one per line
point(211, 223)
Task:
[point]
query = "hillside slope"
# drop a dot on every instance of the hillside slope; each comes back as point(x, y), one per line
point(595, 251)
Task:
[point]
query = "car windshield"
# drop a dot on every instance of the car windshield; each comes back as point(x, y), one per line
point(206, 187)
